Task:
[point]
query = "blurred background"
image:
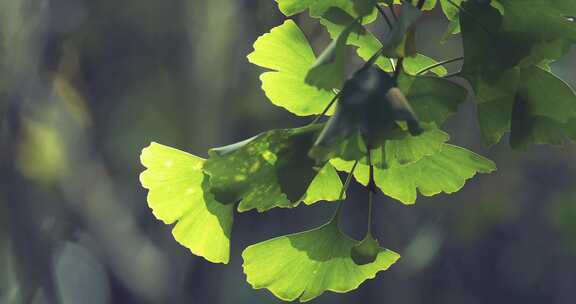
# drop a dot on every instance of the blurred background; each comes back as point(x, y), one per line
point(86, 84)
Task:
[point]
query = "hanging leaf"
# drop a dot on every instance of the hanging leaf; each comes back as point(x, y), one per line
point(367, 112)
point(325, 186)
point(286, 50)
point(317, 8)
point(433, 99)
point(544, 111)
point(328, 72)
point(415, 64)
point(398, 42)
point(304, 265)
point(445, 171)
point(406, 148)
point(366, 251)
point(366, 44)
point(270, 170)
point(178, 193)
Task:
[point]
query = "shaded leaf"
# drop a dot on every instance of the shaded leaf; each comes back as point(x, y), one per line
point(433, 99)
point(544, 111)
point(328, 72)
point(367, 112)
point(366, 251)
point(398, 41)
point(304, 265)
point(270, 170)
point(178, 193)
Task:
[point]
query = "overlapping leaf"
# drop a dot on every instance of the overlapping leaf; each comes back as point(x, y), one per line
point(304, 265)
point(367, 44)
point(286, 51)
point(177, 193)
point(317, 8)
point(368, 110)
point(499, 47)
point(270, 170)
point(445, 171)
point(499, 50)
point(544, 111)
point(433, 99)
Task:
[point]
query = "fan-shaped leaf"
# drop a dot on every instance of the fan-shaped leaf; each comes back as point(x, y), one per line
point(286, 50)
point(304, 265)
point(177, 193)
point(445, 171)
point(270, 170)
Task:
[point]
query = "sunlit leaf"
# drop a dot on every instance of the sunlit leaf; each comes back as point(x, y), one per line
point(304, 265)
point(445, 171)
point(317, 8)
point(413, 65)
point(177, 193)
point(286, 51)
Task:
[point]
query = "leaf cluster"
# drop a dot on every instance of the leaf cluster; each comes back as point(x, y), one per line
point(380, 125)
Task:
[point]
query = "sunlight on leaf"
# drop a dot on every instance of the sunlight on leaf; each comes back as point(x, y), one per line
point(270, 170)
point(177, 193)
point(445, 171)
point(286, 51)
point(304, 265)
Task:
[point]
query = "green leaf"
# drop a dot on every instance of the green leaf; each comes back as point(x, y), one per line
point(324, 187)
point(407, 149)
point(544, 111)
point(177, 193)
point(368, 109)
point(304, 265)
point(270, 170)
point(366, 251)
point(366, 44)
point(317, 8)
point(328, 72)
point(445, 171)
point(398, 43)
point(286, 50)
point(433, 99)
point(415, 64)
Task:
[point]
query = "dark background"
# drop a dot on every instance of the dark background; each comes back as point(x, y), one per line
point(86, 84)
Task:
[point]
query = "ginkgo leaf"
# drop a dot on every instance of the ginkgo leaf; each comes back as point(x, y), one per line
point(433, 99)
point(270, 170)
point(398, 42)
point(318, 8)
point(497, 46)
point(544, 111)
point(407, 149)
point(413, 65)
point(367, 111)
point(366, 251)
point(177, 193)
point(366, 44)
point(304, 265)
point(325, 186)
point(445, 171)
point(328, 72)
point(286, 51)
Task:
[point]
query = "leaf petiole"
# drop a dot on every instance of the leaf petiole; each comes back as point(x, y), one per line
point(441, 63)
point(336, 215)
